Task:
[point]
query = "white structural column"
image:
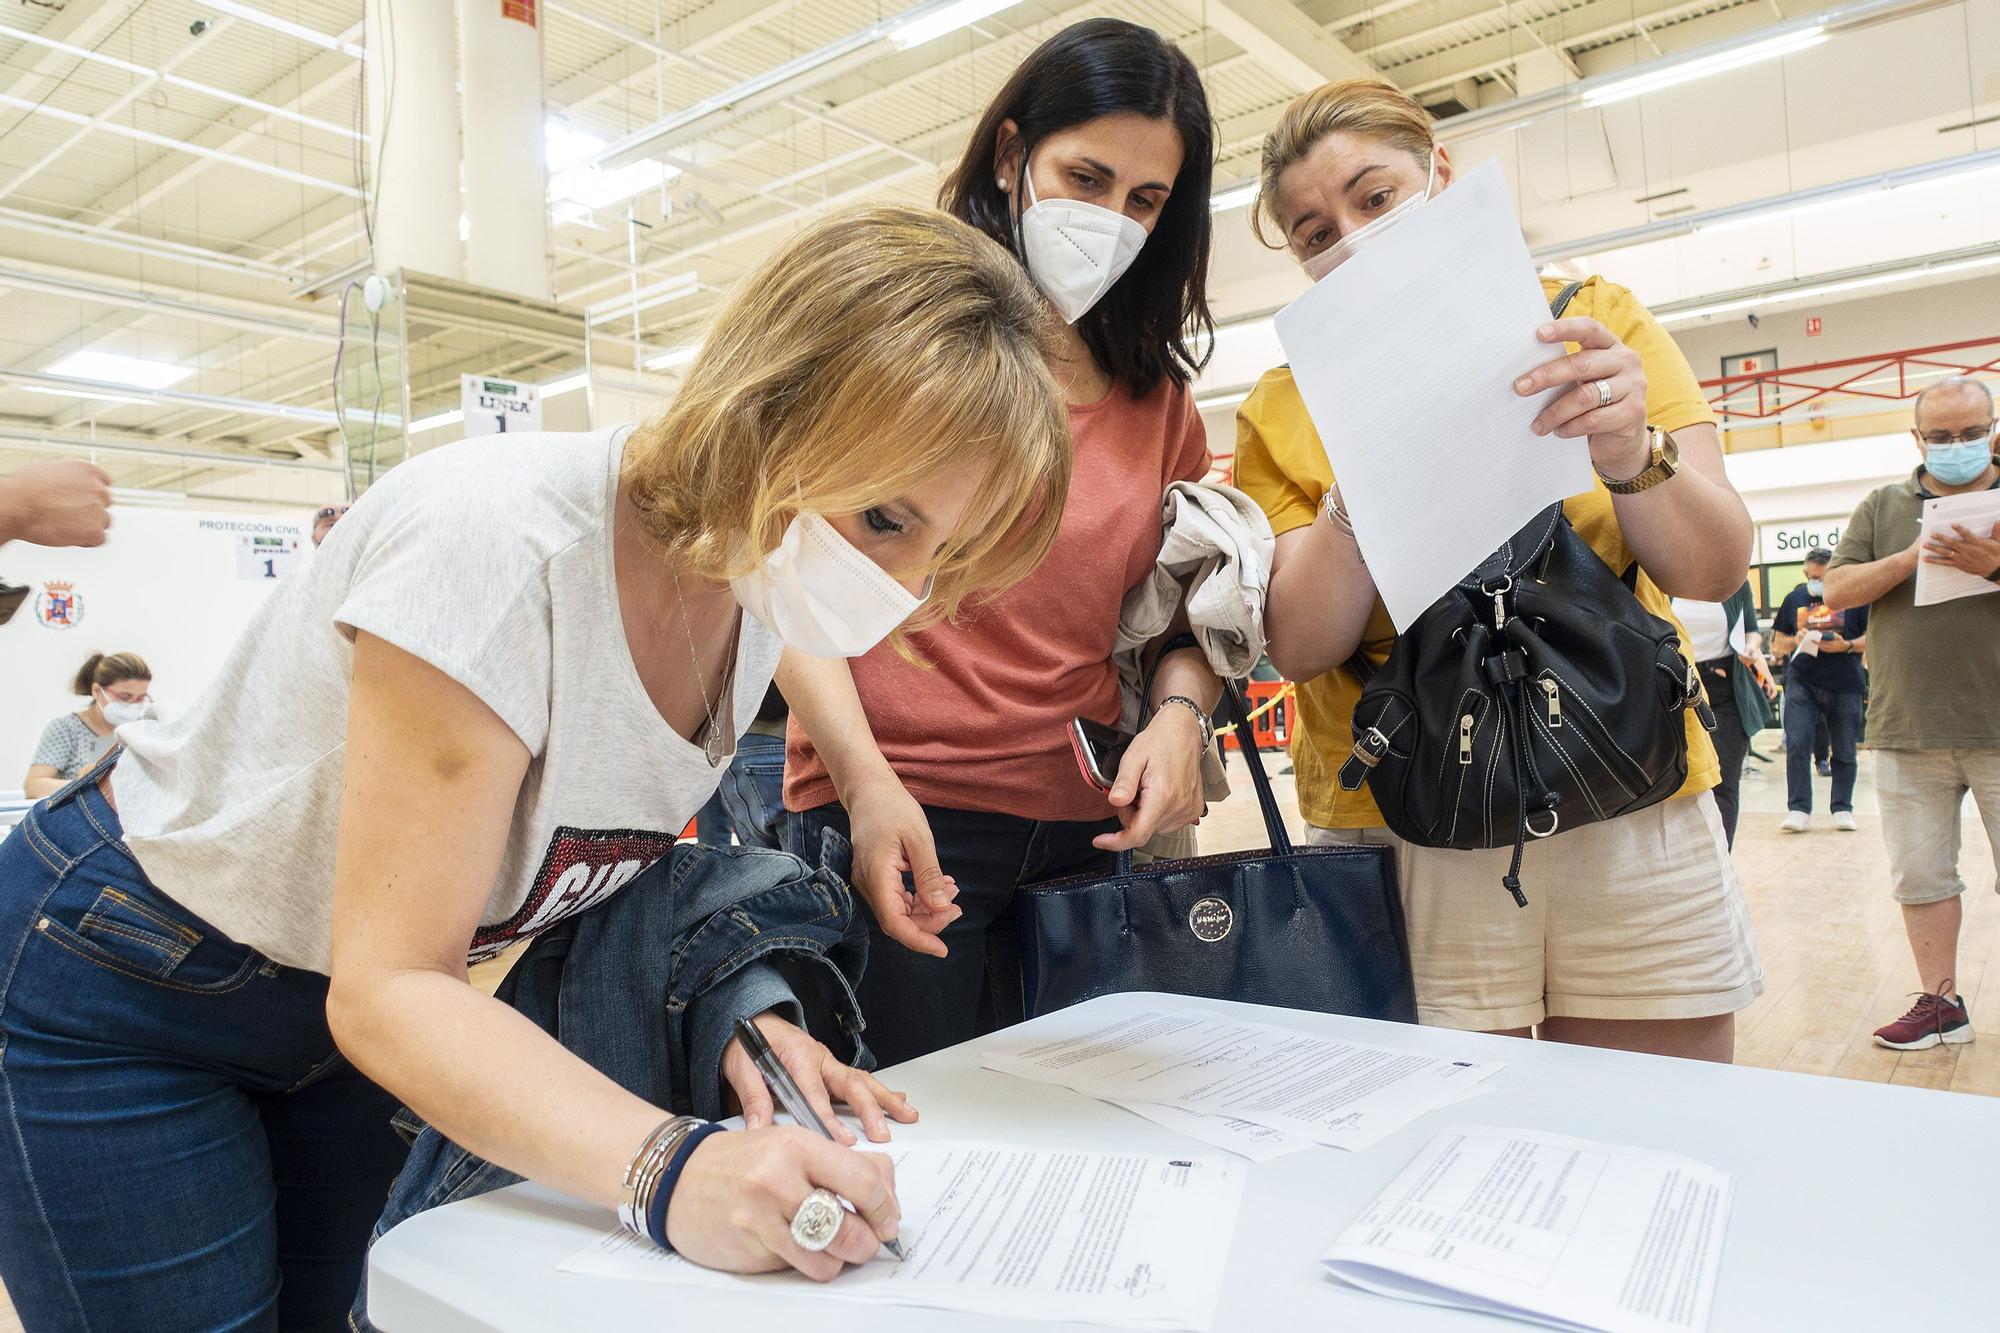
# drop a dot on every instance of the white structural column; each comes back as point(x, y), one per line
point(506, 171)
point(413, 136)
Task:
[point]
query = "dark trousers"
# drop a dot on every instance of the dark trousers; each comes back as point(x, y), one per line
point(1804, 707)
point(915, 1004)
point(1732, 741)
point(181, 1146)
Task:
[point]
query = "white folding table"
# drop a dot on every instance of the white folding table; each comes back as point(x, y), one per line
point(1858, 1206)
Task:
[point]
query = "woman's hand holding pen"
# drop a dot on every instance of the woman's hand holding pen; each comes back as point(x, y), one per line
point(737, 1196)
point(739, 1192)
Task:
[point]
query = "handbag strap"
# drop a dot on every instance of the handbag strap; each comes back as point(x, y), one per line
point(1253, 758)
point(1239, 713)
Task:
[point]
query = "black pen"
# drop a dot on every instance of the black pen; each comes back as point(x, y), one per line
point(787, 1093)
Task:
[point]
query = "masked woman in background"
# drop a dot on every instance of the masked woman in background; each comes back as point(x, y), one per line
point(1092, 165)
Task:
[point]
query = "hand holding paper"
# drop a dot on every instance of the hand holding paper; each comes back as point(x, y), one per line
point(1407, 357)
point(1961, 546)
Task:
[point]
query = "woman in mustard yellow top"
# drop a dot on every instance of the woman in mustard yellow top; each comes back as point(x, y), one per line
point(1640, 939)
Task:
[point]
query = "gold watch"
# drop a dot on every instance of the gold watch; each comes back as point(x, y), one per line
point(1665, 461)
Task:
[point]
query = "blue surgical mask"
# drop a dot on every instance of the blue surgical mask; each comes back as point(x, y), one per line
point(1959, 462)
point(1815, 588)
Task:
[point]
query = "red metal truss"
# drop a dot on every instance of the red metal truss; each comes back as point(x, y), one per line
point(1770, 392)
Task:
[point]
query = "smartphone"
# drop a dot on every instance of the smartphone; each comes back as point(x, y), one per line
point(1098, 749)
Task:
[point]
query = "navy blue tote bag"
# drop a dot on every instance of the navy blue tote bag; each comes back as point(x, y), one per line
point(1306, 928)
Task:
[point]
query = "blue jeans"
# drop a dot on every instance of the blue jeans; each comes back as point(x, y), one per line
point(915, 1004)
point(750, 799)
point(181, 1146)
point(1805, 707)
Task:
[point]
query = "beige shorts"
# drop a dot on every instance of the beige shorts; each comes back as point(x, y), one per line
point(1921, 793)
point(1636, 918)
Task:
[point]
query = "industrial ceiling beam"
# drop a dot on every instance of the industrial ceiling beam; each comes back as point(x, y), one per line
point(1282, 39)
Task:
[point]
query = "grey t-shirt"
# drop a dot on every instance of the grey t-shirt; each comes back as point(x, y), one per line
point(1933, 671)
point(69, 746)
point(491, 560)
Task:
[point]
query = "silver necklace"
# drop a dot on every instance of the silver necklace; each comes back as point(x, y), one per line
point(714, 745)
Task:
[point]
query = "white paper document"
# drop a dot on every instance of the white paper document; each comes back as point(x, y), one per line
point(1245, 1138)
point(1134, 1240)
point(1553, 1230)
point(1406, 357)
point(1976, 513)
point(1346, 1094)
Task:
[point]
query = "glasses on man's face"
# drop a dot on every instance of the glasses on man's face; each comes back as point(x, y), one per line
point(1966, 436)
point(331, 511)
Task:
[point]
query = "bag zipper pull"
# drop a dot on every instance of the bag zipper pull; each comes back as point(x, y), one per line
point(1465, 739)
point(1554, 692)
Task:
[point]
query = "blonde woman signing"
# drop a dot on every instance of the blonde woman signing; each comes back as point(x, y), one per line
point(519, 650)
point(1640, 938)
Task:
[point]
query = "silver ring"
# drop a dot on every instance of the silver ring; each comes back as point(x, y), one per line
point(1604, 393)
point(817, 1221)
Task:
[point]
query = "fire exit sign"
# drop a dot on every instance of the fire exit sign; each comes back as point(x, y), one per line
point(1812, 326)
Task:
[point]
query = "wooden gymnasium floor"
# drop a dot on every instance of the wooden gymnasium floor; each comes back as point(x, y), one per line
point(1836, 962)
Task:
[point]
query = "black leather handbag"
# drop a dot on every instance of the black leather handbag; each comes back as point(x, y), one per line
point(1538, 695)
point(1311, 928)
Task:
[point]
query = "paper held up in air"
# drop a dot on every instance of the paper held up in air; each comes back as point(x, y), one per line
point(1406, 357)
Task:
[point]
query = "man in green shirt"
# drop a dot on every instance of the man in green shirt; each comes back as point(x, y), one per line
point(1934, 705)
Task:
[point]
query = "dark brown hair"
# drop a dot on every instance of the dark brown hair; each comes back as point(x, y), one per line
point(105, 671)
point(1140, 332)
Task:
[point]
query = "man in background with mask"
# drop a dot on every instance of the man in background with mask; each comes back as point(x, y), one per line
point(1823, 687)
point(1933, 720)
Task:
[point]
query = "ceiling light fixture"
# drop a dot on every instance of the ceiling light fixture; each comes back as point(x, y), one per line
point(927, 22)
point(1213, 401)
point(451, 418)
point(677, 356)
point(1900, 274)
point(115, 368)
point(1235, 196)
point(90, 395)
point(1701, 67)
point(672, 288)
point(578, 185)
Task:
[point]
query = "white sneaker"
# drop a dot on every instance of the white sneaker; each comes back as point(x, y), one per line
point(1844, 821)
point(1798, 821)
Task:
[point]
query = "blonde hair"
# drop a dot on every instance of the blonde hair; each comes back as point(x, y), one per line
point(1368, 107)
point(882, 349)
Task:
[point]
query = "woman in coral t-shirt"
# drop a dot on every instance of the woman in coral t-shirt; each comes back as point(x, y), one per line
point(1093, 164)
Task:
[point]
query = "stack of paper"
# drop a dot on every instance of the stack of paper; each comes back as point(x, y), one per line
point(1561, 1231)
point(1218, 1079)
point(1977, 513)
point(1128, 1239)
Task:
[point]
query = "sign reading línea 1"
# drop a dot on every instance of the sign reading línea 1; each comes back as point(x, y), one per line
point(498, 407)
point(1787, 543)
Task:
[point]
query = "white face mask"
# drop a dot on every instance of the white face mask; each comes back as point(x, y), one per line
point(1342, 250)
point(823, 597)
point(117, 712)
point(1076, 251)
